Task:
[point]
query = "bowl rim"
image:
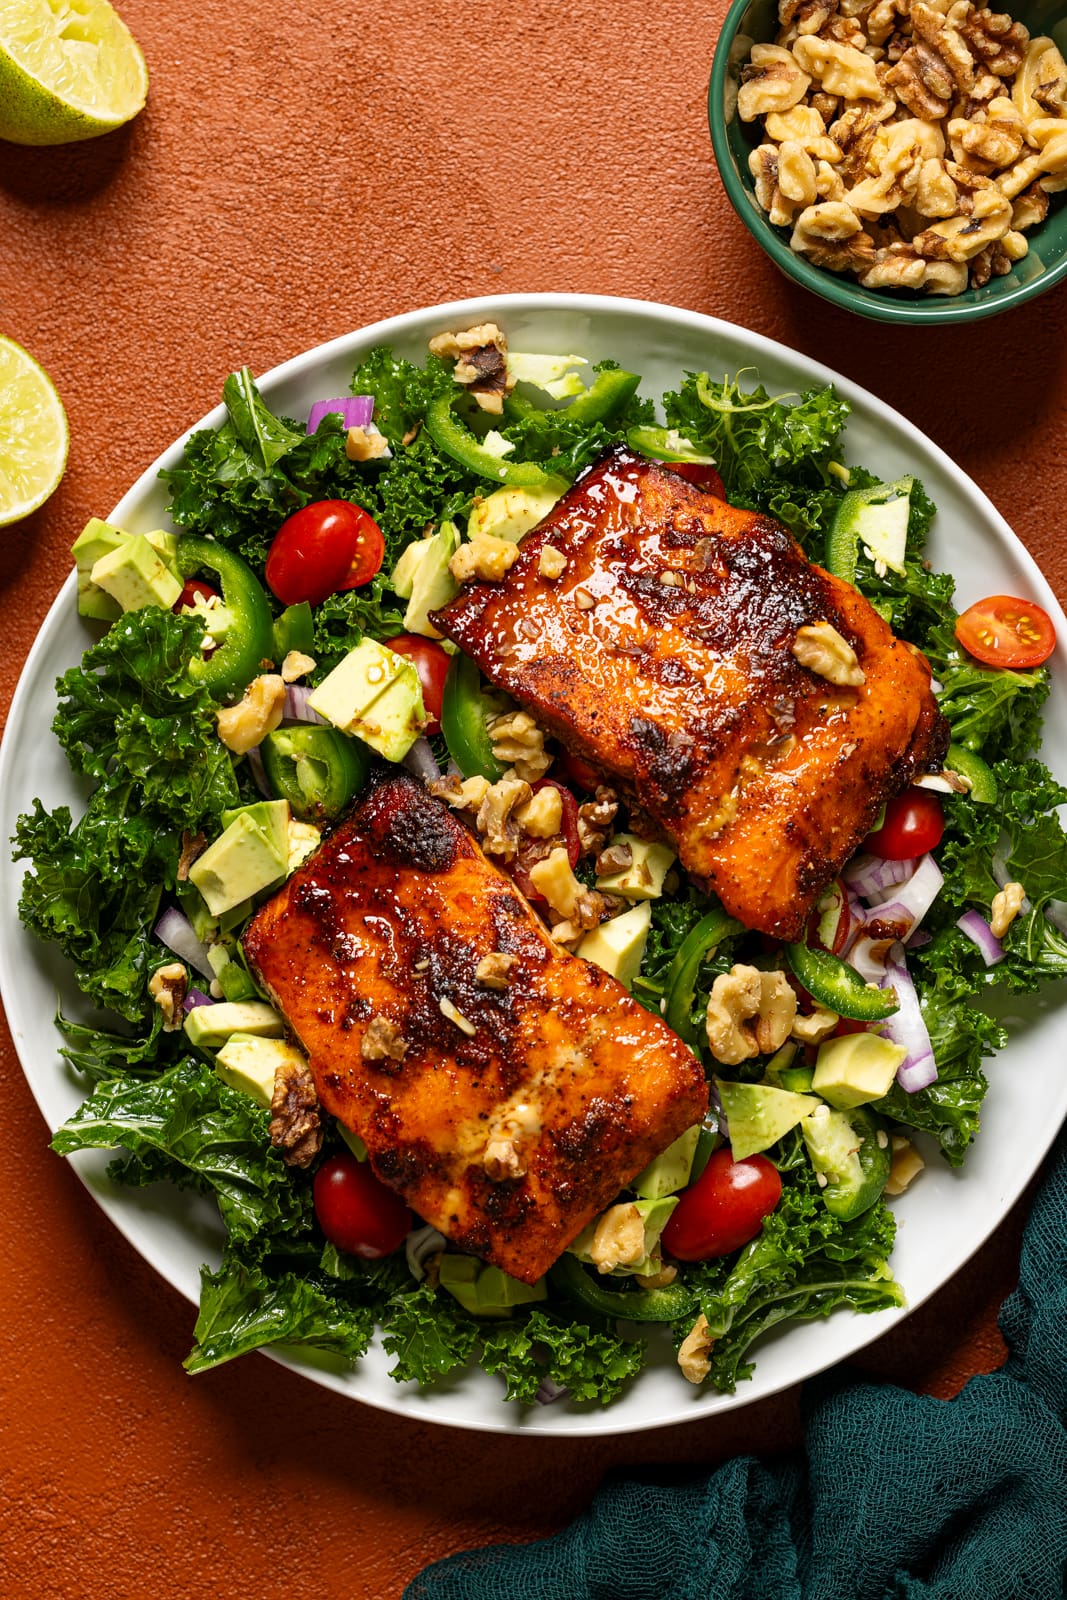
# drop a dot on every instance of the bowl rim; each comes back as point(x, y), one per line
point(845, 293)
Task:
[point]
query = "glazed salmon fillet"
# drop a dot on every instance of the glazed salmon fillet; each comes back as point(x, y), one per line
point(508, 1101)
point(664, 656)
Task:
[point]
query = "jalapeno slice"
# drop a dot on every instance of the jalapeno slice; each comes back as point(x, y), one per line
point(846, 1150)
point(248, 645)
point(839, 987)
point(698, 944)
point(983, 783)
point(457, 441)
point(637, 1305)
point(316, 768)
point(294, 630)
point(465, 714)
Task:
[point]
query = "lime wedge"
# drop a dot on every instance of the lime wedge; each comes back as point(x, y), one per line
point(33, 434)
point(69, 69)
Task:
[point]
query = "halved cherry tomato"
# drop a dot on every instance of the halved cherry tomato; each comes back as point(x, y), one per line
point(356, 1211)
point(703, 476)
point(914, 823)
point(327, 546)
point(723, 1209)
point(431, 664)
point(580, 772)
point(849, 1025)
point(1005, 632)
point(194, 589)
point(568, 827)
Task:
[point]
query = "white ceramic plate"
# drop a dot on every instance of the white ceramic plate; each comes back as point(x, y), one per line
point(944, 1217)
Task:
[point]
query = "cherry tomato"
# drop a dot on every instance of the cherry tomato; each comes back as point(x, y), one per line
point(849, 1025)
point(1005, 632)
point(431, 664)
point(194, 589)
point(724, 1209)
point(568, 827)
point(580, 772)
point(914, 823)
point(703, 476)
point(318, 550)
point(356, 1211)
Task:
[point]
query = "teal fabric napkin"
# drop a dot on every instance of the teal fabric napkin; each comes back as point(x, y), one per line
point(895, 1496)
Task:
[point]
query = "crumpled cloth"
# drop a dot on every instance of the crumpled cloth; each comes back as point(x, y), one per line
point(895, 1496)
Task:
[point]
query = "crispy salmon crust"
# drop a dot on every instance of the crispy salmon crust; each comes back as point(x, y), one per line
point(507, 1117)
point(663, 655)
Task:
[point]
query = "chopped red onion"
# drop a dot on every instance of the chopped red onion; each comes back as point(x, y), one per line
point(918, 939)
point(906, 1027)
point(356, 411)
point(194, 998)
point(421, 763)
point(868, 956)
point(869, 875)
point(549, 1390)
point(975, 926)
point(296, 707)
point(1002, 873)
point(911, 900)
point(176, 931)
point(259, 772)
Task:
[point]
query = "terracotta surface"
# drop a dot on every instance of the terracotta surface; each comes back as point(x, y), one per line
point(298, 172)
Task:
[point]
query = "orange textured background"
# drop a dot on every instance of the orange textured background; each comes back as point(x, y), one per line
point(299, 172)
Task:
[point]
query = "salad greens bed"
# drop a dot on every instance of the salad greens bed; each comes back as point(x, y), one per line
point(141, 729)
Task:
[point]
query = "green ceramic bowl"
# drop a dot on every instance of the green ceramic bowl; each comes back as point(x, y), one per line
point(751, 22)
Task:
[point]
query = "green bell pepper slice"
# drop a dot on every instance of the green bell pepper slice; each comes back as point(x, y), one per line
point(248, 646)
point(839, 987)
point(666, 444)
point(294, 630)
point(317, 769)
point(842, 542)
point(637, 1305)
point(466, 712)
point(699, 943)
point(449, 435)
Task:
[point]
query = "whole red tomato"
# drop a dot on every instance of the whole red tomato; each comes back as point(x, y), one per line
point(723, 1209)
point(356, 1211)
point(431, 664)
point(329, 545)
point(914, 823)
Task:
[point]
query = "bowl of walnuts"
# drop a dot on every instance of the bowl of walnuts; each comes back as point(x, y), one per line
point(906, 159)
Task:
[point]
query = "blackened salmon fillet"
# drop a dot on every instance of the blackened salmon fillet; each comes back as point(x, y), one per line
point(507, 1100)
point(663, 654)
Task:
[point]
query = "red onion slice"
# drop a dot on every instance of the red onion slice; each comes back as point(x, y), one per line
point(975, 926)
point(549, 1391)
point(296, 707)
point(911, 900)
point(356, 411)
point(259, 772)
point(868, 957)
point(194, 998)
point(869, 875)
point(906, 1027)
point(176, 931)
point(1056, 912)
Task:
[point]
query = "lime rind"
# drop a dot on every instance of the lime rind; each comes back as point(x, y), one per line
point(69, 70)
point(33, 434)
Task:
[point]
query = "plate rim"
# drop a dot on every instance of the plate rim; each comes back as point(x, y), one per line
point(512, 1420)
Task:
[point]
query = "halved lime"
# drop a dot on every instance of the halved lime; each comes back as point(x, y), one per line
point(69, 69)
point(33, 434)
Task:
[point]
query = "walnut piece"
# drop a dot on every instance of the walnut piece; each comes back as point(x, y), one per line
point(517, 741)
point(365, 444)
point(495, 822)
point(542, 815)
point(552, 563)
point(484, 557)
point(259, 711)
point(906, 1164)
point(296, 665)
point(494, 970)
point(480, 356)
point(465, 795)
point(167, 986)
point(821, 649)
point(772, 81)
point(597, 816)
point(295, 1123)
point(383, 1041)
point(749, 1013)
point(694, 1353)
point(503, 1158)
point(840, 69)
point(618, 1238)
point(815, 1028)
point(1006, 907)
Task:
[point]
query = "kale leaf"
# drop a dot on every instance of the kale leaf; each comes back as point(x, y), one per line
point(243, 1307)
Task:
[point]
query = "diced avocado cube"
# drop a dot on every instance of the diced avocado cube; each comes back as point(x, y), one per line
point(136, 576)
point(353, 1141)
point(304, 839)
point(96, 539)
point(209, 1027)
point(653, 1214)
point(758, 1114)
point(166, 544)
point(510, 513)
point(205, 926)
point(781, 1060)
point(273, 816)
point(670, 1170)
point(432, 583)
point(93, 602)
point(402, 580)
point(242, 861)
point(643, 878)
point(249, 1062)
point(230, 976)
point(553, 374)
point(618, 945)
point(485, 1291)
point(856, 1068)
point(375, 695)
